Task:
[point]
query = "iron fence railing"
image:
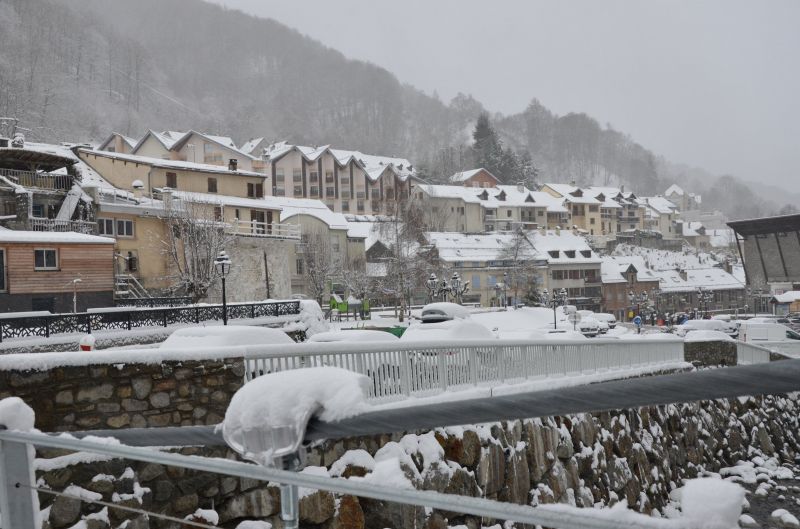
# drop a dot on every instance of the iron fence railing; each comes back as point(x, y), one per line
point(178, 301)
point(44, 326)
point(53, 181)
point(399, 370)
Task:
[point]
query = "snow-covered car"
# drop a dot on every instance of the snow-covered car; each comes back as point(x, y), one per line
point(589, 327)
point(443, 311)
point(603, 326)
point(609, 319)
point(224, 335)
point(356, 335)
point(727, 327)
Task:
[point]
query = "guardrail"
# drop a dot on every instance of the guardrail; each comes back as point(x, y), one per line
point(42, 180)
point(264, 229)
point(78, 226)
point(748, 354)
point(404, 369)
point(87, 322)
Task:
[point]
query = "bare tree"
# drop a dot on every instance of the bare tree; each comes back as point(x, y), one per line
point(353, 274)
point(193, 239)
point(320, 262)
point(520, 256)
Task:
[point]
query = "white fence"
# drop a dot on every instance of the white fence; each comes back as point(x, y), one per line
point(419, 369)
point(264, 229)
point(748, 354)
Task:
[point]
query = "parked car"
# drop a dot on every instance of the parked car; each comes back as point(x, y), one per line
point(355, 335)
point(727, 327)
point(443, 311)
point(224, 335)
point(589, 327)
point(607, 318)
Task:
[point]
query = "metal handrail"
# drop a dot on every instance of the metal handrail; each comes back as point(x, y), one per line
point(402, 369)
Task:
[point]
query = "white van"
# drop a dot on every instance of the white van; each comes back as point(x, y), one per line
point(766, 332)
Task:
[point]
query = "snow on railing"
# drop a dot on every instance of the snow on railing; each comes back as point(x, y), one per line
point(78, 226)
point(42, 180)
point(400, 370)
point(264, 229)
point(748, 353)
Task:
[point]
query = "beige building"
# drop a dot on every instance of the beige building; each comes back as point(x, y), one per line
point(482, 209)
point(584, 208)
point(345, 181)
point(593, 210)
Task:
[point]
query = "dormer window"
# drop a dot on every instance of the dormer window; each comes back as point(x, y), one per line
point(483, 195)
point(570, 253)
point(586, 253)
point(553, 254)
point(529, 198)
point(501, 196)
point(577, 193)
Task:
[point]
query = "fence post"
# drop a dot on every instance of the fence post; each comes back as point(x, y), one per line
point(442, 370)
point(197, 315)
point(19, 503)
point(88, 323)
point(47, 327)
point(406, 374)
point(129, 319)
point(473, 366)
point(164, 316)
point(1, 332)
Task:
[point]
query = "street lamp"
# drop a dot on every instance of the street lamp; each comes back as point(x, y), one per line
point(431, 284)
point(557, 298)
point(223, 265)
point(755, 293)
point(75, 294)
point(458, 287)
point(703, 297)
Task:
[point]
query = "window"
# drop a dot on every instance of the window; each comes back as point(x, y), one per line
point(553, 253)
point(297, 175)
point(255, 190)
point(299, 267)
point(314, 191)
point(476, 281)
point(345, 194)
point(212, 185)
point(314, 176)
point(376, 194)
point(328, 177)
point(591, 220)
point(298, 191)
point(45, 259)
point(172, 180)
point(124, 228)
point(279, 174)
point(345, 180)
point(593, 209)
point(37, 210)
point(2, 270)
point(361, 195)
point(345, 205)
point(105, 226)
point(279, 192)
point(390, 194)
point(217, 213)
point(360, 206)
point(330, 191)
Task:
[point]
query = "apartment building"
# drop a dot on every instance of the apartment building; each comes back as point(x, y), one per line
point(345, 181)
point(584, 209)
point(572, 265)
point(192, 146)
point(622, 276)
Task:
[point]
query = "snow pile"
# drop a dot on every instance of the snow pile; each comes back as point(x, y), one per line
point(280, 404)
point(208, 516)
point(707, 336)
point(16, 415)
point(711, 503)
point(254, 524)
point(311, 319)
point(356, 335)
point(224, 336)
point(453, 330)
point(784, 518)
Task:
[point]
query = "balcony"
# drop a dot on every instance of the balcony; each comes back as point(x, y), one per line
point(271, 230)
point(41, 180)
point(77, 226)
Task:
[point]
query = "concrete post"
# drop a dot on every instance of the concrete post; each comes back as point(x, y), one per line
point(19, 503)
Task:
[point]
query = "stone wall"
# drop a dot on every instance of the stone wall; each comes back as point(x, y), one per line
point(126, 396)
point(710, 353)
point(586, 460)
point(246, 280)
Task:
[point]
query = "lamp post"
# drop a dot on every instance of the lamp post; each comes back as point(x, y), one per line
point(755, 293)
point(223, 264)
point(457, 287)
point(431, 284)
point(703, 297)
point(554, 300)
point(75, 294)
point(505, 289)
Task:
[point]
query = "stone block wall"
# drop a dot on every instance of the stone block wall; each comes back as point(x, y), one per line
point(722, 353)
point(132, 395)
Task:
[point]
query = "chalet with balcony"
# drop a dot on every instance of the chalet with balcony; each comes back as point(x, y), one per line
point(39, 189)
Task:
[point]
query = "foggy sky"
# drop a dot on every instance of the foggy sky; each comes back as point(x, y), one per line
point(710, 83)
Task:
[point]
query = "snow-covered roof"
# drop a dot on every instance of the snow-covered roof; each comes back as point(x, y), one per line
point(494, 197)
point(127, 139)
point(166, 139)
point(656, 259)
point(463, 176)
point(248, 146)
point(660, 205)
point(482, 247)
point(613, 268)
point(721, 237)
point(173, 164)
point(563, 247)
point(787, 297)
point(674, 189)
point(223, 141)
point(51, 237)
point(371, 164)
point(227, 200)
point(708, 278)
point(692, 229)
point(574, 194)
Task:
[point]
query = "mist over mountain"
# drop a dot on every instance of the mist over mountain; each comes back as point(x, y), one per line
point(74, 70)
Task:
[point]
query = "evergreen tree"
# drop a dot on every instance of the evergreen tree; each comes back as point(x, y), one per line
point(487, 150)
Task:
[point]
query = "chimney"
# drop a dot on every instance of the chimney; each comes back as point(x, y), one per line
point(520, 187)
point(137, 186)
point(233, 163)
point(572, 183)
